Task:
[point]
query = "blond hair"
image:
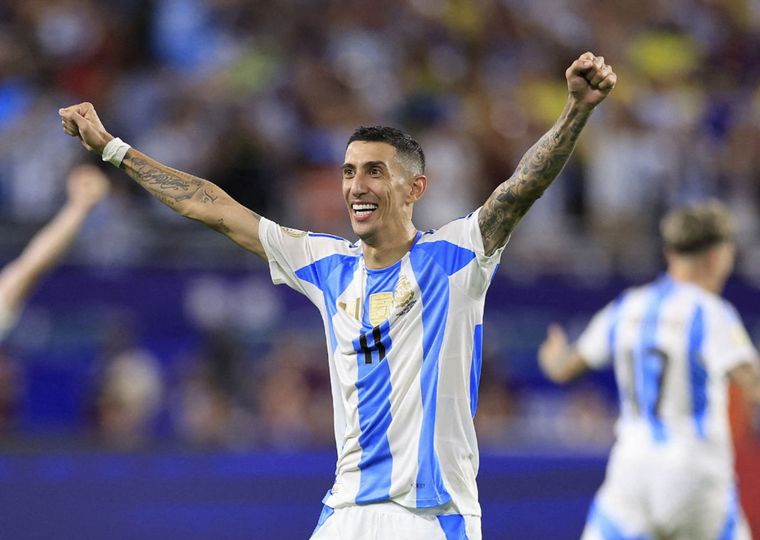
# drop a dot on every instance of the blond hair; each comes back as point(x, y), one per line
point(696, 227)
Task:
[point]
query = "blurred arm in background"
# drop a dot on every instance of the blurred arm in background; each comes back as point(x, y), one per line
point(747, 377)
point(557, 359)
point(184, 193)
point(589, 81)
point(86, 186)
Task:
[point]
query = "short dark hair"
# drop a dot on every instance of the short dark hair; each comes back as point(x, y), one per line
point(407, 148)
point(696, 227)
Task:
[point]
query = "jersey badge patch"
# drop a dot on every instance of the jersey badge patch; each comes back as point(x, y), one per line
point(295, 233)
point(380, 305)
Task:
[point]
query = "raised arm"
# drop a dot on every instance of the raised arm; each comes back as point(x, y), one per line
point(184, 193)
point(86, 186)
point(589, 80)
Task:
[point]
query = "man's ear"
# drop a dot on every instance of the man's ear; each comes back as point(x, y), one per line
point(419, 185)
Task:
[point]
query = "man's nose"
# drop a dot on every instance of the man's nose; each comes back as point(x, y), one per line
point(358, 184)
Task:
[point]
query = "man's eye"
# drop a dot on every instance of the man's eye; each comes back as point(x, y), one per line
point(375, 171)
point(348, 172)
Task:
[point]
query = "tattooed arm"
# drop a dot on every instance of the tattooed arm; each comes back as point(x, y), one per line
point(184, 193)
point(589, 80)
point(196, 199)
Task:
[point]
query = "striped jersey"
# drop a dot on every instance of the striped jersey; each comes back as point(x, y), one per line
point(672, 344)
point(404, 348)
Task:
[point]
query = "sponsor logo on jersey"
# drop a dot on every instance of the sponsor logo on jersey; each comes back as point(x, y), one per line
point(295, 233)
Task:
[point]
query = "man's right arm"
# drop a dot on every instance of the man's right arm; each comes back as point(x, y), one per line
point(196, 199)
point(184, 193)
point(560, 362)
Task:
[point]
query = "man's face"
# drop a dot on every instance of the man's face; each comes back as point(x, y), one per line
point(378, 191)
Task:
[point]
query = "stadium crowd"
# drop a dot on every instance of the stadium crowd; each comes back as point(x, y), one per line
point(261, 96)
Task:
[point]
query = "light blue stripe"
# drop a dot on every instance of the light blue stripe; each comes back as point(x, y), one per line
point(475, 367)
point(450, 257)
point(650, 361)
point(332, 275)
point(606, 526)
point(732, 517)
point(454, 526)
point(697, 372)
point(374, 389)
point(432, 264)
point(326, 513)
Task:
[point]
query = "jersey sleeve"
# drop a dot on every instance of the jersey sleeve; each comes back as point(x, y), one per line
point(290, 251)
point(595, 344)
point(464, 234)
point(727, 343)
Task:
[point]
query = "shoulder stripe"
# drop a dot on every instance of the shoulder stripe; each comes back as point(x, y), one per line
point(450, 257)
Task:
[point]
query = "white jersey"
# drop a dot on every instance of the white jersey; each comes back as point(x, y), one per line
point(404, 348)
point(672, 344)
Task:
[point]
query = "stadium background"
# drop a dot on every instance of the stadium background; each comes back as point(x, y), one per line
point(158, 386)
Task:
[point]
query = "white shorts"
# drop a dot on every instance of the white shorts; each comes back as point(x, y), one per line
point(666, 491)
point(389, 520)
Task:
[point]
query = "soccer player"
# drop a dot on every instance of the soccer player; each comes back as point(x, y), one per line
point(86, 186)
point(402, 310)
point(674, 344)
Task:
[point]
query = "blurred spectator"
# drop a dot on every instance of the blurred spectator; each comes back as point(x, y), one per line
point(208, 406)
point(130, 391)
point(129, 400)
point(262, 103)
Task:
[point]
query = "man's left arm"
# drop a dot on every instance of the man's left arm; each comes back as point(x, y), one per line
point(589, 81)
point(747, 377)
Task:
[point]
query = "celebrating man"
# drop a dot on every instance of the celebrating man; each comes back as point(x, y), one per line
point(402, 309)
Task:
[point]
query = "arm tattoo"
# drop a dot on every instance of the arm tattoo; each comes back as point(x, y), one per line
point(195, 198)
point(209, 197)
point(537, 169)
point(221, 226)
point(168, 185)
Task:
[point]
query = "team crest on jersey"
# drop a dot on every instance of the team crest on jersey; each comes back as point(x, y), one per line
point(403, 297)
point(295, 233)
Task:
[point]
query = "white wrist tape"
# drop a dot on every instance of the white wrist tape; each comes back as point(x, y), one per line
point(115, 151)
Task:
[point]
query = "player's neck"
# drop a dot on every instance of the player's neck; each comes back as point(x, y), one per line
point(381, 252)
point(696, 276)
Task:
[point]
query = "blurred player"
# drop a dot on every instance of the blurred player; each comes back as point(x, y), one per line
point(403, 311)
point(86, 185)
point(673, 343)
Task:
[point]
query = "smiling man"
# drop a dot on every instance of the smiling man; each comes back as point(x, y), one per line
point(403, 310)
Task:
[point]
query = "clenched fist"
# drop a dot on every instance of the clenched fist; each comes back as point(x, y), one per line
point(589, 80)
point(82, 121)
